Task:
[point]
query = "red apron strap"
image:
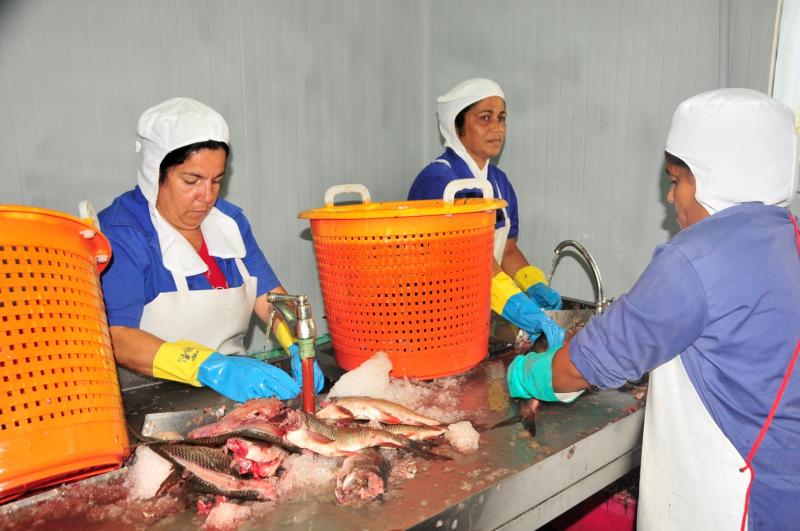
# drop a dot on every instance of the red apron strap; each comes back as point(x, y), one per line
point(765, 427)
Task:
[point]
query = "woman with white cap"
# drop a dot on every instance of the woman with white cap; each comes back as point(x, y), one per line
point(472, 120)
point(187, 273)
point(716, 317)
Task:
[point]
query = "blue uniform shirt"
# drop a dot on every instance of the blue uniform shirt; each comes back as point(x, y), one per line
point(432, 180)
point(725, 295)
point(137, 275)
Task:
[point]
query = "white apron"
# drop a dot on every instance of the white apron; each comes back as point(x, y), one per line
point(501, 234)
point(690, 476)
point(216, 318)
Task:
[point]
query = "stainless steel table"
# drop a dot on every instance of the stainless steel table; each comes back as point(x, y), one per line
point(514, 481)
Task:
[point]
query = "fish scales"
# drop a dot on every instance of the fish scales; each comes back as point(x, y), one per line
point(367, 408)
point(215, 482)
point(415, 433)
point(204, 456)
point(309, 432)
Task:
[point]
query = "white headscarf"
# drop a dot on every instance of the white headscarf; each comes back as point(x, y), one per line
point(741, 146)
point(449, 105)
point(170, 125)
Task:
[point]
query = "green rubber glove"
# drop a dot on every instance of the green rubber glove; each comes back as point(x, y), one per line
point(531, 376)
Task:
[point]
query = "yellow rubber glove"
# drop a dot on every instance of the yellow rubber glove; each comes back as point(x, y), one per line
point(503, 288)
point(528, 276)
point(516, 307)
point(284, 336)
point(533, 282)
point(180, 361)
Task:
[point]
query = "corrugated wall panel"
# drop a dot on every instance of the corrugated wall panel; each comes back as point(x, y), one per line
point(325, 92)
point(591, 88)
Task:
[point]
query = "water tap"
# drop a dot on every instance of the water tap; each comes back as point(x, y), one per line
point(306, 333)
point(601, 303)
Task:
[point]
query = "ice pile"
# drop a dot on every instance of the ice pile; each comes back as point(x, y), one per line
point(306, 472)
point(372, 379)
point(147, 474)
point(463, 437)
point(226, 516)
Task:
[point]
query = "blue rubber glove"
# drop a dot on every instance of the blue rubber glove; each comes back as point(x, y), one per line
point(544, 296)
point(515, 306)
point(297, 369)
point(531, 376)
point(522, 311)
point(241, 379)
point(533, 281)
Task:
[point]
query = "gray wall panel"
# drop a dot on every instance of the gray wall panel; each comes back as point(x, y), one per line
point(590, 88)
point(326, 92)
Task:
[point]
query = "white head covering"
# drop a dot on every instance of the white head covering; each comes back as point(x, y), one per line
point(741, 146)
point(170, 125)
point(449, 105)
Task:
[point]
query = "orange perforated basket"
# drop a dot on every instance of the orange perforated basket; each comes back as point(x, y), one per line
point(411, 279)
point(61, 415)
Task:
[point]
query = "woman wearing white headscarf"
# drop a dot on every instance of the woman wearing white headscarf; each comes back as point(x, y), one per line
point(472, 120)
point(716, 317)
point(187, 273)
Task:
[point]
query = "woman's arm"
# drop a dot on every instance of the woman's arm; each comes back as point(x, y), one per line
point(134, 349)
point(513, 259)
point(566, 377)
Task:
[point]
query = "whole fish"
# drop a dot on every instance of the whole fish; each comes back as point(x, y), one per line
point(366, 408)
point(306, 431)
point(208, 467)
point(362, 477)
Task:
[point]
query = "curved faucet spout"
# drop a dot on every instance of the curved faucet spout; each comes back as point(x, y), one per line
point(600, 303)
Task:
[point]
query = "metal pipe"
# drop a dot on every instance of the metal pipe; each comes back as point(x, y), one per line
point(600, 301)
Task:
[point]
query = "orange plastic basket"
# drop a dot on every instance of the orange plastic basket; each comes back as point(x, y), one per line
point(411, 279)
point(61, 414)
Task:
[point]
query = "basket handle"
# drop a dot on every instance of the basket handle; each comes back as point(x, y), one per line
point(337, 189)
point(456, 186)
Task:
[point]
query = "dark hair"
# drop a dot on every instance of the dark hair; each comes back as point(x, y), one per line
point(460, 117)
point(178, 156)
point(675, 161)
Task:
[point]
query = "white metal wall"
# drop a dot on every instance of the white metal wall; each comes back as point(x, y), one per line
point(590, 88)
point(331, 91)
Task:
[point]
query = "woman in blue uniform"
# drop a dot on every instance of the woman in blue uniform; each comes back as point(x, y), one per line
point(187, 273)
point(716, 317)
point(472, 120)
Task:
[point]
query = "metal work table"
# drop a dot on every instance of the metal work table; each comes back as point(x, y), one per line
point(514, 481)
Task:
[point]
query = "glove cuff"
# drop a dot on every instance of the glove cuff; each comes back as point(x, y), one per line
point(180, 361)
point(528, 276)
point(532, 375)
point(283, 335)
point(503, 288)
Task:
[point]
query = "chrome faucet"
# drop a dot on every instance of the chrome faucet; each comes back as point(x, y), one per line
point(601, 303)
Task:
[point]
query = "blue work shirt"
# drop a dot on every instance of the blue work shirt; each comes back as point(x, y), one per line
point(725, 294)
point(137, 274)
point(432, 180)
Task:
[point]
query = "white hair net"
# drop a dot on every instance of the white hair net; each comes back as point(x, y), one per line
point(170, 125)
point(457, 99)
point(741, 146)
